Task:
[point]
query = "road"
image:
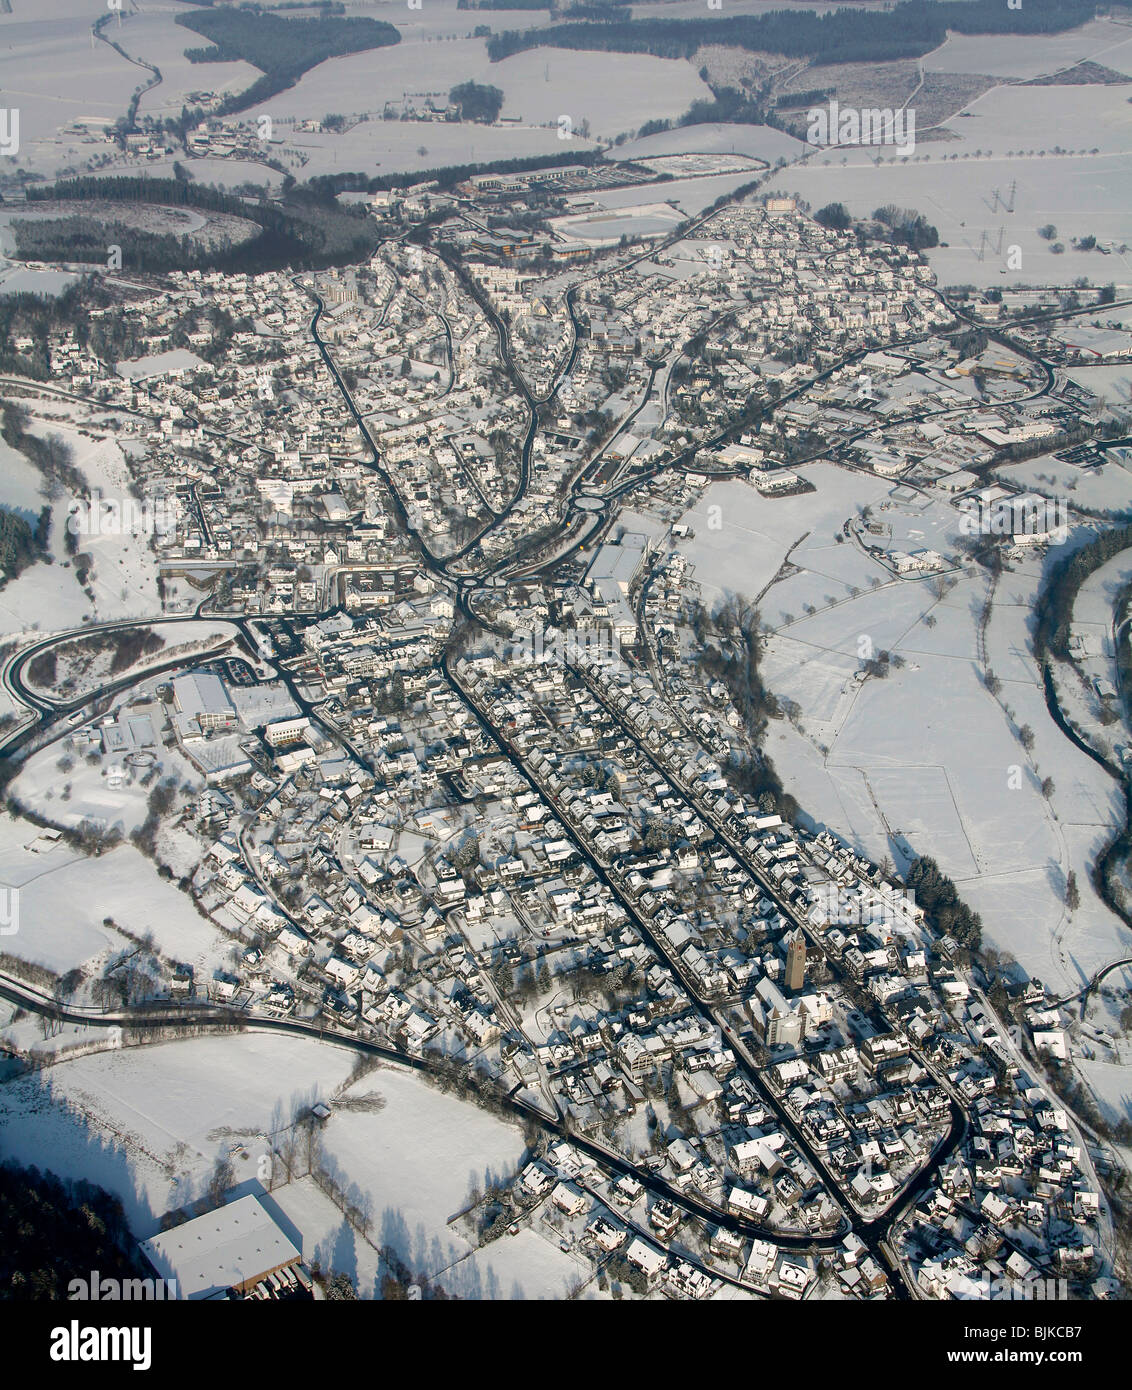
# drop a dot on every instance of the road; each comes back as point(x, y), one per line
point(577, 526)
point(220, 1019)
point(872, 1230)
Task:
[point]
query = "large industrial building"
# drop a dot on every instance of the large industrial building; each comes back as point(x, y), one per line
point(234, 1247)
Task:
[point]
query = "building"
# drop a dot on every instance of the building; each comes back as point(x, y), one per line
point(796, 962)
point(233, 1247)
point(202, 702)
point(285, 731)
point(611, 575)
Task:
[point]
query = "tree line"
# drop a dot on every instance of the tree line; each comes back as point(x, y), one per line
point(909, 30)
point(446, 176)
point(1054, 608)
point(939, 898)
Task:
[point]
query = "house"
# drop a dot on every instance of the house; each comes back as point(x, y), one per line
point(293, 943)
point(647, 1258)
point(570, 1199)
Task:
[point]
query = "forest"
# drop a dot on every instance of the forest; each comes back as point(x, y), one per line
point(306, 231)
point(476, 102)
point(17, 544)
point(282, 49)
point(52, 1233)
point(937, 895)
point(910, 30)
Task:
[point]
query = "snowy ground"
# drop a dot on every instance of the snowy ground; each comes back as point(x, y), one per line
point(1107, 488)
point(47, 597)
point(66, 897)
point(755, 533)
point(149, 1123)
point(69, 785)
point(926, 761)
point(88, 671)
point(1000, 55)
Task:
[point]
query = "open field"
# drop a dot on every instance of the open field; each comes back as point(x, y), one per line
point(1003, 56)
point(148, 1124)
point(926, 761)
point(65, 898)
point(1081, 195)
point(123, 580)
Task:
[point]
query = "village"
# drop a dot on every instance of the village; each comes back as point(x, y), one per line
point(429, 819)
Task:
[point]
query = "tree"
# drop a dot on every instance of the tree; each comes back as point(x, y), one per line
point(476, 101)
point(340, 1286)
point(1048, 232)
point(1047, 787)
point(835, 216)
point(1072, 892)
point(222, 1181)
point(1026, 737)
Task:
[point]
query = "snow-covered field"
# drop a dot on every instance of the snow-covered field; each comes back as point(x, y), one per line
point(47, 597)
point(1001, 55)
point(21, 485)
point(153, 35)
point(927, 760)
point(149, 1124)
point(760, 141)
point(52, 71)
point(1107, 488)
point(756, 533)
point(1080, 194)
point(179, 359)
point(66, 897)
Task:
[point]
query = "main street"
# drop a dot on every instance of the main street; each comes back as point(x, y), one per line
point(872, 1230)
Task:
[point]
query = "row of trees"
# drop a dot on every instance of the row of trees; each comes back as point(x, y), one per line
point(729, 650)
point(52, 455)
point(939, 898)
point(327, 186)
point(1054, 608)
